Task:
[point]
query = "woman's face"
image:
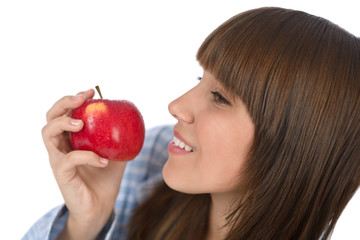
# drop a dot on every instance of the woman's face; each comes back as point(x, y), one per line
point(214, 135)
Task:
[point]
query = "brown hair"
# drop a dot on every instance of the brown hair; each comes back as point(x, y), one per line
point(299, 76)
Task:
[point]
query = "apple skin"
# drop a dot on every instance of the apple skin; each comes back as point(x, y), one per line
point(113, 129)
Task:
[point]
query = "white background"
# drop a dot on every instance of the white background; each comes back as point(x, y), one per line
point(143, 51)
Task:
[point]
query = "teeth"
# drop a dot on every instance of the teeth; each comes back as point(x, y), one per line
point(176, 141)
point(187, 148)
point(181, 144)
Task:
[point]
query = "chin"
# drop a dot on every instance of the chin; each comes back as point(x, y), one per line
point(176, 182)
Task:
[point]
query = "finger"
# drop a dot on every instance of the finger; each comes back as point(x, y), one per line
point(65, 169)
point(58, 126)
point(66, 104)
point(88, 94)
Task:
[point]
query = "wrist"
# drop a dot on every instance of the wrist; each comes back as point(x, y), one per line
point(81, 228)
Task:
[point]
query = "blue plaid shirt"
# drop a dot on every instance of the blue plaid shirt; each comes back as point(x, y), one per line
point(140, 177)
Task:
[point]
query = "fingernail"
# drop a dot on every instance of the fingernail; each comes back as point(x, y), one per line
point(75, 122)
point(104, 160)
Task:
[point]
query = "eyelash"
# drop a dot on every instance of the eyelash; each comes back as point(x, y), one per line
point(218, 98)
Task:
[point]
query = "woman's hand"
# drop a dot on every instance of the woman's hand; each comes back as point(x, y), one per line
point(89, 184)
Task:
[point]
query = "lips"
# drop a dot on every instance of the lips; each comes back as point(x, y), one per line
point(177, 142)
point(179, 145)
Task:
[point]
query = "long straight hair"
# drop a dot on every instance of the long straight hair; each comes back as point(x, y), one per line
point(299, 76)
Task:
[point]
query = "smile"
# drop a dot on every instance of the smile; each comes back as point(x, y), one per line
point(182, 145)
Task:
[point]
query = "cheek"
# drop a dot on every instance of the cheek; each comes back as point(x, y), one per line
point(224, 149)
point(226, 138)
point(221, 167)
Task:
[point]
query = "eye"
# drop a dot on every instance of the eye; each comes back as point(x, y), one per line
point(218, 98)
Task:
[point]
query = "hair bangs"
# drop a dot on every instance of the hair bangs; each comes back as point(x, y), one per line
point(225, 55)
point(253, 52)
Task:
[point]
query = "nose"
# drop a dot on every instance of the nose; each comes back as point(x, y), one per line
point(182, 108)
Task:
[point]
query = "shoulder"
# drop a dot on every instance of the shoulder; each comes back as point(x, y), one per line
point(48, 226)
point(154, 152)
point(155, 149)
point(141, 176)
point(145, 170)
point(152, 156)
point(156, 137)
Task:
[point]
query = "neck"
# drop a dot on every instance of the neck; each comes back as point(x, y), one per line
point(219, 209)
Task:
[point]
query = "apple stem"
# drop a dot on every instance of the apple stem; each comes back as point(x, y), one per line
point(98, 90)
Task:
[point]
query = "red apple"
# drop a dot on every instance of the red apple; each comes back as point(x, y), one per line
point(114, 129)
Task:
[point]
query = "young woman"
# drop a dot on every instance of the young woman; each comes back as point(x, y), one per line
point(266, 146)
